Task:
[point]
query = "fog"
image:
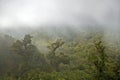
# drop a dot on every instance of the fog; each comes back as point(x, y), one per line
point(59, 39)
point(35, 13)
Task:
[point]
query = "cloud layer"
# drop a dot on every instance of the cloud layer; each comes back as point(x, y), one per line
point(34, 13)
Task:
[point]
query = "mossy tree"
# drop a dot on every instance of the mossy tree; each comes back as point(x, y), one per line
point(56, 60)
point(30, 55)
point(99, 60)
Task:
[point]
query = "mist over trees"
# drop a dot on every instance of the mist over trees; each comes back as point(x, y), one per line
point(80, 56)
point(59, 40)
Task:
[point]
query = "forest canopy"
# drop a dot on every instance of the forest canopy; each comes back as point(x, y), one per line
point(38, 56)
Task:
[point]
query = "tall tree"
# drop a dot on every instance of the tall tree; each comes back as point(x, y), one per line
point(54, 59)
point(99, 59)
point(55, 45)
point(29, 53)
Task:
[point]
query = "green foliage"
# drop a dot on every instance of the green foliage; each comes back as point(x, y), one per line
point(30, 55)
point(55, 45)
point(65, 59)
point(56, 60)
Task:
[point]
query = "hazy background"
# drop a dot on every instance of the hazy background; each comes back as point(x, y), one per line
point(26, 15)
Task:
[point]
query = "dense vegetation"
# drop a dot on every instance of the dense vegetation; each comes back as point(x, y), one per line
point(85, 56)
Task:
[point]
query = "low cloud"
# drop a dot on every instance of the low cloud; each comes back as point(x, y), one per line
point(34, 13)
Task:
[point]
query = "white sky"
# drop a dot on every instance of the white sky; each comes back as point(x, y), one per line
point(32, 13)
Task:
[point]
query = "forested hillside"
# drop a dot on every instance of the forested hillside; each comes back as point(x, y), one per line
point(89, 54)
point(59, 39)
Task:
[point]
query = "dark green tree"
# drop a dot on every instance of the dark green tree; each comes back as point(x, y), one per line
point(99, 60)
point(30, 55)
